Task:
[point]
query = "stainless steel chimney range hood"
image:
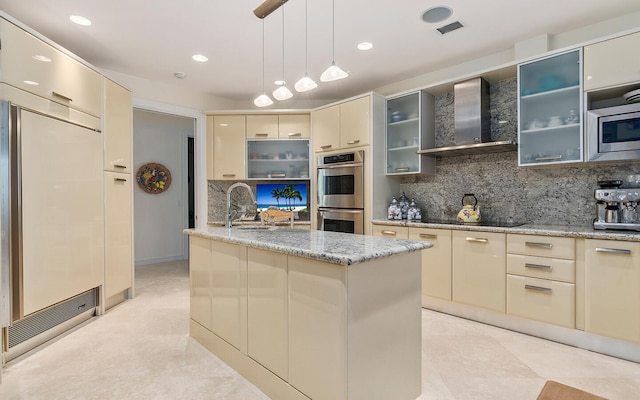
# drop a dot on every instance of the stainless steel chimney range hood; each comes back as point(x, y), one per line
point(472, 123)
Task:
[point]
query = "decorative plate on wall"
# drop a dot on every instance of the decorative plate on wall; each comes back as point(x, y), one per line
point(153, 178)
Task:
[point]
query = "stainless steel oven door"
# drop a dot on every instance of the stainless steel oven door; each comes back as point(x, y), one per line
point(341, 220)
point(341, 185)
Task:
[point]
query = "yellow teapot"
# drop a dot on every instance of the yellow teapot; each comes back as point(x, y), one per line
point(470, 213)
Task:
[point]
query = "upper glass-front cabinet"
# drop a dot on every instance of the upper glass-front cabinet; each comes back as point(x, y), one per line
point(550, 110)
point(410, 127)
point(278, 159)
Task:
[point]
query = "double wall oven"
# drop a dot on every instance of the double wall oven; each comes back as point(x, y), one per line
point(341, 192)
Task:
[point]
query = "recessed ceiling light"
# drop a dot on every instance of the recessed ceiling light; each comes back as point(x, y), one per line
point(365, 46)
point(180, 75)
point(279, 82)
point(80, 20)
point(200, 58)
point(436, 14)
point(41, 58)
point(32, 83)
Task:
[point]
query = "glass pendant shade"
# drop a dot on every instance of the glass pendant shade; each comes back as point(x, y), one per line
point(263, 100)
point(305, 84)
point(282, 93)
point(333, 73)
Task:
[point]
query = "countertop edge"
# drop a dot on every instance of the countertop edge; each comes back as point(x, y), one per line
point(585, 232)
point(246, 238)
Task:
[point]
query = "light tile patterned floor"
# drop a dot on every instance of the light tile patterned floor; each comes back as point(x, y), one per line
point(141, 350)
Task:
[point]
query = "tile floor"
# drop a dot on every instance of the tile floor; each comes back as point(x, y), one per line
point(141, 350)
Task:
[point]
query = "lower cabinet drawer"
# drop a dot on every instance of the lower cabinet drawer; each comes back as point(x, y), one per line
point(542, 300)
point(542, 267)
point(397, 232)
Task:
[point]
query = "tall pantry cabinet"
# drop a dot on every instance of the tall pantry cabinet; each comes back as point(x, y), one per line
point(118, 184)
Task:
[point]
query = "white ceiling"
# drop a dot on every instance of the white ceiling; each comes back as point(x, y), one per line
point(153, 39)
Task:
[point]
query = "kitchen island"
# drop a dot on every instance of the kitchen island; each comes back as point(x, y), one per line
point(310, 314)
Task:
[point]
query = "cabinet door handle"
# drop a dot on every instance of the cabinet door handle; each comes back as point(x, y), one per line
point(549, 158)
point(402, 169)
point(538, 288)
point(477, 240)
point(543, 245)
point(354, 141)
point(261, 134)
point(56, 94)
point(295, 134)
point(278, 175)
point(119, 166)
point(428, 236)
point(389, 233)
point(228, 175)
point(326, 146)
point(119, 179)
point(537, 266)
point(613, 251)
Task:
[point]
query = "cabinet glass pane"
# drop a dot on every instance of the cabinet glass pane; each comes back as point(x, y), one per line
point(403, 134)
point(278, 159)
point(550, 110)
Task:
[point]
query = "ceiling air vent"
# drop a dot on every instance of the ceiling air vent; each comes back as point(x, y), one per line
point(450, 27)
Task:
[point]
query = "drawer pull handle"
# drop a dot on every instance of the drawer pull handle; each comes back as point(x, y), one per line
point(228, 175)
point(262, 134)
point(537, 266)
point(428, 236)
point(295, 134)
point(613, 251)
point(119, 166)
point(326, 146)
point(119, 180)
point(538, 288)
point(535, 244)
point(390, 233)
point(354, 141)
point(477, 240)
point(56, 94)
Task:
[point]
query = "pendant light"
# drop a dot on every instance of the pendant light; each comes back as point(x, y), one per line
point(263, 100)
point(306, 83)
point(333, 73)
point(282, 93)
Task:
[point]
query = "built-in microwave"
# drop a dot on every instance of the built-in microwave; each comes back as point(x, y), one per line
point(614, 133)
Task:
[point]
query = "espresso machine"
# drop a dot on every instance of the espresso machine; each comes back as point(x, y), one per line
point(617, 209)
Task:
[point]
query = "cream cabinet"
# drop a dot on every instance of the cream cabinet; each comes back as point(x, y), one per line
point(200, 272)
point(118, 233)
point(479, 267)
point(436, 261)
point(262, 127)
point(612, 62)
point(343, 125)
point(612, 275)
point(117, 122)
point(267, 309)
point(34, 66)
point(541, 276)
point(294, 126)
point(396, 232)
point(228, 142)
point(325, 126)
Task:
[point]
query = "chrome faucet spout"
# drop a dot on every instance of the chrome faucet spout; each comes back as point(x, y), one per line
point(230, 214)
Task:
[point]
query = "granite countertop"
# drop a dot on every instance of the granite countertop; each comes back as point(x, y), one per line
point(258, 222)
point(331, 247)
point(586, 232)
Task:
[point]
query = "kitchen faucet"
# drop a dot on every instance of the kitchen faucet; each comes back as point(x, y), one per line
point(232, 214)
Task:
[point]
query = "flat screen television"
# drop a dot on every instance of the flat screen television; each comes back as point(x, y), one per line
point(283, 195)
